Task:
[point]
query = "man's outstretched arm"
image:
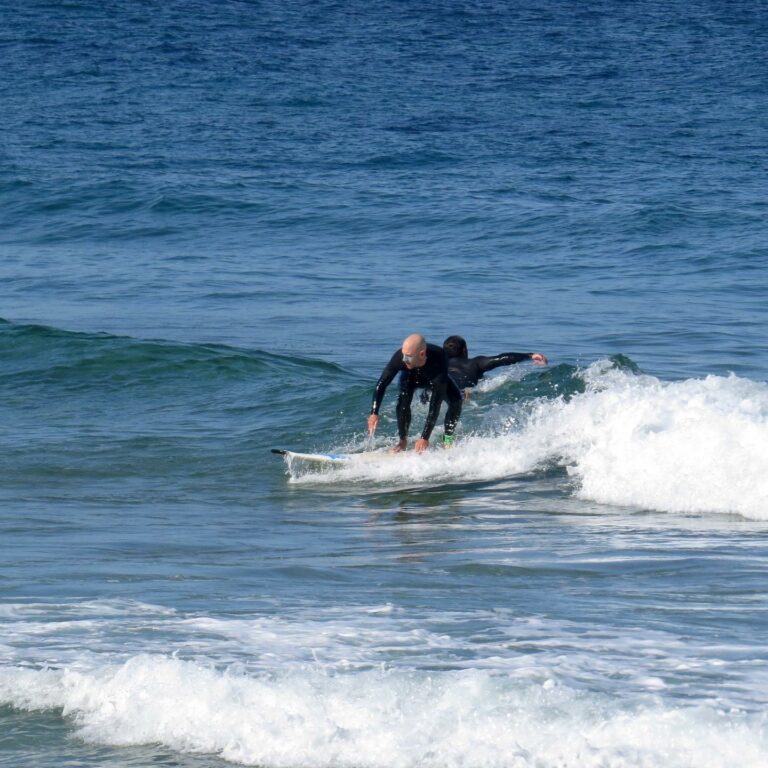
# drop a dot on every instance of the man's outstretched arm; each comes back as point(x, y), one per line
point(486, 364)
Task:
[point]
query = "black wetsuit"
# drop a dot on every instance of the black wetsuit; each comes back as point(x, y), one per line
point(466, 372)
point(433, 375)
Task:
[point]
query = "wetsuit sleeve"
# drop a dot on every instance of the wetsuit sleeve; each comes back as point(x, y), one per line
point(392, 368)
point(439, 386)
point(486, 364)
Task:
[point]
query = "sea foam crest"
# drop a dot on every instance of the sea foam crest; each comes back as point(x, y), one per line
point(383, 719)
point(698, 445)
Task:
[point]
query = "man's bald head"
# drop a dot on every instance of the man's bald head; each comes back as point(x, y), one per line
point(414, 351)
point(414, 343)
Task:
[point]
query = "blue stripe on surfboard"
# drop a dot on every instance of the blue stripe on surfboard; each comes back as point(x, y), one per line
point(312, 456)
point(336, 458)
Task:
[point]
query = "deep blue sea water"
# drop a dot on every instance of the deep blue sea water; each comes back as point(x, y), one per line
point(218, 220)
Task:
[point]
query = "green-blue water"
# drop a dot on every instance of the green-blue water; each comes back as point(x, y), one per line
point(217, 223)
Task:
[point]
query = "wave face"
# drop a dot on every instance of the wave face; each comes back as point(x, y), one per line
point(64, 361)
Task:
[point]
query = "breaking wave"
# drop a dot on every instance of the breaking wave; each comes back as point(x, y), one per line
point(697, 445)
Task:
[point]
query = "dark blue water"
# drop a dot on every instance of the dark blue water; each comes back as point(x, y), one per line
point(217, 223)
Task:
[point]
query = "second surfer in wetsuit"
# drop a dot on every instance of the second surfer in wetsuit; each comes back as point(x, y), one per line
point(466, 371)
point(420, 365)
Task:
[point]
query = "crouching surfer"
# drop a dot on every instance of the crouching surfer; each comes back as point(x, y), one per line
point(421, 366)
point(466, 371)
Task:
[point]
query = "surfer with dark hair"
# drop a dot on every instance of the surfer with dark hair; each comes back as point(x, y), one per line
point(421, 366)
point(466, 371)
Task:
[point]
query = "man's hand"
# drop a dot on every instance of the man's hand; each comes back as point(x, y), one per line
point(373, 422)
point(538, 358)
point(401, 446)
point(421, 445)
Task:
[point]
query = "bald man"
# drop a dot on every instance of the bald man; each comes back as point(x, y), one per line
point(421, 366)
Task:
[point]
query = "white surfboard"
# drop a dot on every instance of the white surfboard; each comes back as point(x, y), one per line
point(334, 458)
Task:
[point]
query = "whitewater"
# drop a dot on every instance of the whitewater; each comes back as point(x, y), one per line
point(327, 691)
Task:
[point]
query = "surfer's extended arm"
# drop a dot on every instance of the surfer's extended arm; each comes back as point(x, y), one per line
point(486, 364)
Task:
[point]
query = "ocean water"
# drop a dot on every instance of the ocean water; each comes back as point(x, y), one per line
point(218, 220)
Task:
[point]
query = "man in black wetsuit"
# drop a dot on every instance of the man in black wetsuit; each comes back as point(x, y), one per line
point(420, 365)
point(466, 371)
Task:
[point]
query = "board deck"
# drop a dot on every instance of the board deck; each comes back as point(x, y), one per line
point(334, 458)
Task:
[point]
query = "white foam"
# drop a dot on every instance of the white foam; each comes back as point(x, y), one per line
point(41, 633)
point(385, 719)
point(625, 662)
point(699, 445)
point(380, 685)
point(500, 378)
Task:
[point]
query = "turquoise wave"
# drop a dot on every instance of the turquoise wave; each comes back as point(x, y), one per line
point(42, 356)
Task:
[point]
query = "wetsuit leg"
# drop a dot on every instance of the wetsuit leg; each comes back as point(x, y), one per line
point(455, 399)
point(404, 398)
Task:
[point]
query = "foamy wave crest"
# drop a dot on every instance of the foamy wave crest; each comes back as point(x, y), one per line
point(699, 445)
point(383, 719)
